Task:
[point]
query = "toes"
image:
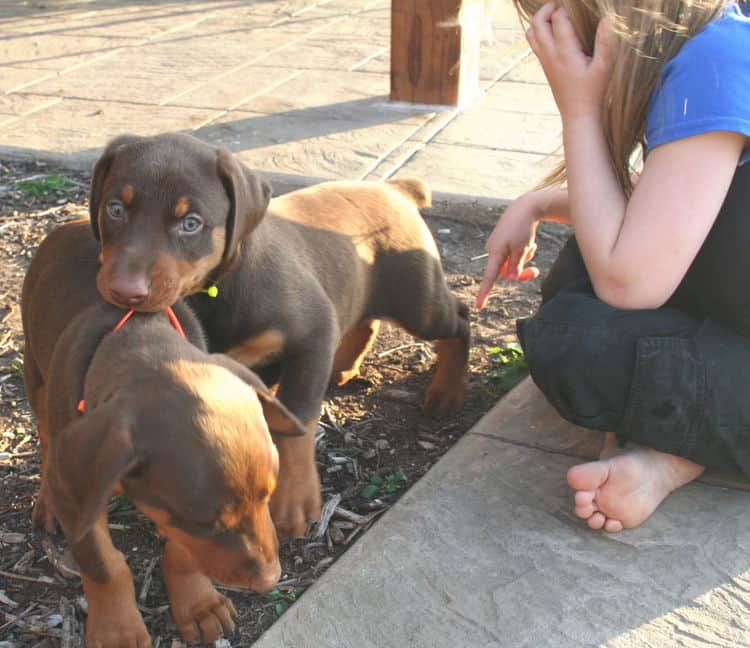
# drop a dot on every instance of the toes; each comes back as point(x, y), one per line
point(441, 405)
point(210, 627)
point(585, 512)
point(292, 525)
point(209, 621)
point(434, 404)
point(291, 517)
point(226, 615)
point(123, 640)
point(443, 398)
point(42, 516)
point(217, 621)
point(584, 504)
point(597, 520)
point(189, 632)
point(613, 526)
point(588, 476)
point(584, 498)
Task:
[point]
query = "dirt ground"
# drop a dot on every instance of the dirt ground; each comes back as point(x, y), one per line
point(373, 440)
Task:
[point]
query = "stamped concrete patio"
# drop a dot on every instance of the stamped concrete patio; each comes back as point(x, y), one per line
point(484, 550)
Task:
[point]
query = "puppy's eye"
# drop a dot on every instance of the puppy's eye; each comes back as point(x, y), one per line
point(115, 209)
point(191, 224)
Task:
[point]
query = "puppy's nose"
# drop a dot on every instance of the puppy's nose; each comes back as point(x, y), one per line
point(129, 291)
point(265, 580)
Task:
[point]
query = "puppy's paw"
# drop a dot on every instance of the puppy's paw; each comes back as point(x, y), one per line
point(340, 378)
point(442, 398)
point(294, 506)
point(123, 628)
point(42, 515)
point(201, 614)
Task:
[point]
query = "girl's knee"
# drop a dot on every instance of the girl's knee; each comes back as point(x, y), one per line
point(579, 359)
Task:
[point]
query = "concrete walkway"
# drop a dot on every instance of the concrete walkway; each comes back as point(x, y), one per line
point(484, 550)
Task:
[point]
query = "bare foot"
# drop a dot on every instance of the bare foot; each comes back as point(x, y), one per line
point(623, 488)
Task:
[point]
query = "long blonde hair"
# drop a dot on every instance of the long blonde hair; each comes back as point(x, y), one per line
point(648, 33)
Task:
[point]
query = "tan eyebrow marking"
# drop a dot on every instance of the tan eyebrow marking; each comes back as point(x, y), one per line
point(127, 193)
point(182, 208)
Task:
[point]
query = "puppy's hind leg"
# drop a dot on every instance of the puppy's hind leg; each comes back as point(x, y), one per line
point(352, 349)
point(427, 309)
point(447, 389)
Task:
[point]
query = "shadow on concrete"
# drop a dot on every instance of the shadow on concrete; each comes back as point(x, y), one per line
point(252, 132)
point(247, 133)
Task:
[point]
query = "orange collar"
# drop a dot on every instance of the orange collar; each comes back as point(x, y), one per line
point(172, 319)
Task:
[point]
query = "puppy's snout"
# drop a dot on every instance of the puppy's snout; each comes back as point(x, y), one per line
point(129, 291)
point(265, 579)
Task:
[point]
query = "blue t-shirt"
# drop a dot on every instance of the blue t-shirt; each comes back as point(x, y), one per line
point(706, 87)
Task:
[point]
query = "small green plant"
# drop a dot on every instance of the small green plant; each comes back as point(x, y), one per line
point(283, 599)
point(39, 185)
point(385, 485)
point(508, 366)
point(17, 365)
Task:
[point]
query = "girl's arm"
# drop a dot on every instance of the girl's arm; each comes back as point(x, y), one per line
point(636, 251)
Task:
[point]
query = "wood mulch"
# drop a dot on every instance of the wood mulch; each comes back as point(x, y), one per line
point(373, 440)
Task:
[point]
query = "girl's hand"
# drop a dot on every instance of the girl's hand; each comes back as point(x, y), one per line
point(578, 81)
point(512, 245)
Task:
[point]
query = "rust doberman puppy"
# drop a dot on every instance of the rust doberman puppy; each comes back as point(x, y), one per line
point(301, 289)
point(180, 431)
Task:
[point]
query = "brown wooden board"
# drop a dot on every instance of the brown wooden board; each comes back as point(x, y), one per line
point(435, 50)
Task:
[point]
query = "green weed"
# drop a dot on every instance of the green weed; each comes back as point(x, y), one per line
point(17, 365)
point(40, 185)
point(508, 366)
point(385, 485)
point(283, 599)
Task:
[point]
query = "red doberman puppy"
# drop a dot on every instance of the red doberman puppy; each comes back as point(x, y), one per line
point(180, 431)
point(301, 289)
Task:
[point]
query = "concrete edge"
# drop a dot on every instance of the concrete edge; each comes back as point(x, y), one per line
point(79, 161)
point(483, 210)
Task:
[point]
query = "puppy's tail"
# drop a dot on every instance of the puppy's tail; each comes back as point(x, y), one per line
point(416, 189)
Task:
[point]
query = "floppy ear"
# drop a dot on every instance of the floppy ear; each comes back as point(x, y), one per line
point(91, 455)
point(249, 196)
point(280, 420)
point(101, 169)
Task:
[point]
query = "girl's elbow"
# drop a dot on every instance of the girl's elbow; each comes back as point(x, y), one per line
point(625, 296)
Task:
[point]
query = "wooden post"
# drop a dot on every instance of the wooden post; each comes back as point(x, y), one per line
point(435, 50)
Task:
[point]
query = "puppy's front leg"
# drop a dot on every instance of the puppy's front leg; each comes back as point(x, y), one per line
point(113, 617)
point(199, 611)
point(43, 515)
point(296, 501)
point(305, 373)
